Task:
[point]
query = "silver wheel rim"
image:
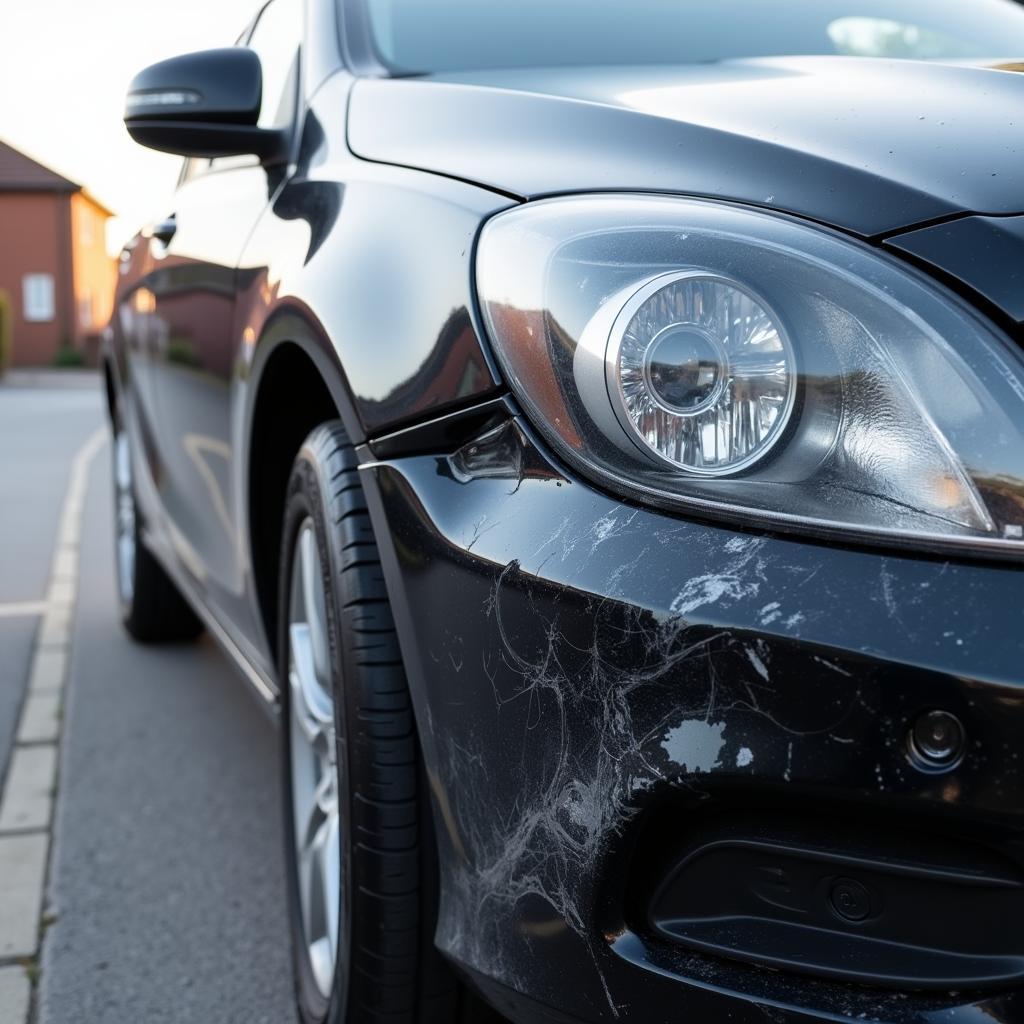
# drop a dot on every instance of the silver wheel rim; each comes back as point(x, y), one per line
point(314, 769)
point(124, 496)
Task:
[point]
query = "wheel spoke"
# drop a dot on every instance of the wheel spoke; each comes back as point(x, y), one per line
point(332, 883)
point(313, 599)
point(322, 928)
point(122, 455)
point(124, 515)
point(312, 703)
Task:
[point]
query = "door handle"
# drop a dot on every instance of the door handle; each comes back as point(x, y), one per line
point(166, 230)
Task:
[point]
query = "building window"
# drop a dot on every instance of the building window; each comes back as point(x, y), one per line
point(85, 317)
point(38, 297)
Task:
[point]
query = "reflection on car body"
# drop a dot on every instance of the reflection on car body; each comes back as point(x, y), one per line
point(598, 431)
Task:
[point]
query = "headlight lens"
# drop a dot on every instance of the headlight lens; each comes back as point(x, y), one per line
point(698, 371)
point(698, 354)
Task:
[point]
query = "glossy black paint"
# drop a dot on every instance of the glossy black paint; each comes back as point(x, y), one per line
point(594, 680)
point(203, 105)
point(868, 146)
point(380, 258)
point(386, 313)
point(569, 650)
point(212, 86)
point(195, 287)
point(982, 254)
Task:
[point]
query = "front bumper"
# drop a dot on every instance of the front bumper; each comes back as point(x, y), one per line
point(598, 686)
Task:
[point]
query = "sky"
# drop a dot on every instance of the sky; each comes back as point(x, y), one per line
point(65, 71)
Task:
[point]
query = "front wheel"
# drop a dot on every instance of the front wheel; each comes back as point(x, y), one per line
point(359, 846)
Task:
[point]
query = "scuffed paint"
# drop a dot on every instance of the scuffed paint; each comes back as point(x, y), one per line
point(581, 797)
point(611, 660)
point(759, 665)
point(695, 746)
point(575, 801)
point(742, 579)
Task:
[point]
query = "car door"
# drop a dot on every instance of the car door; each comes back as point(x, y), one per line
point(194, 284)
point(135, 324)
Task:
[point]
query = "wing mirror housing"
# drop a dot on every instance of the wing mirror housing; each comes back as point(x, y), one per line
point(203, 104)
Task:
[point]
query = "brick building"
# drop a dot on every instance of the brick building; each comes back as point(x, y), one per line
point(56, 278)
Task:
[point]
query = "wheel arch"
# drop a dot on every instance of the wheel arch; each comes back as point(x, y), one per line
point(292, 357)
point(295, 384)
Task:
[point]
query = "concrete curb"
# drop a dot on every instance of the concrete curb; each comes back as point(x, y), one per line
point(29, 791)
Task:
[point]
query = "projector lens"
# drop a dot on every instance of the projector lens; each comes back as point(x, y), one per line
point(702, 373)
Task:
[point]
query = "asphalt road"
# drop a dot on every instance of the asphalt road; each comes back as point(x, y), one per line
point(166, 879)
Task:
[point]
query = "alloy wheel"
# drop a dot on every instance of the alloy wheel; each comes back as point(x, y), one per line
point(314, 762)
point(124, 497)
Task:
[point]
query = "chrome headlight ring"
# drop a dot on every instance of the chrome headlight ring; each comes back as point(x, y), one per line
point(699, 371)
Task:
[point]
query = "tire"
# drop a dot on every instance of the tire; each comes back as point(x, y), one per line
point(152, 609)
point(385, 966)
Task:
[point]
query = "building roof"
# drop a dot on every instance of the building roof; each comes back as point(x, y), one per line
point(19, 173)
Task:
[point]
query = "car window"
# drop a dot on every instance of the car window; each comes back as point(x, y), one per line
point(192, 168)
point(276, 40)
point(452, 35)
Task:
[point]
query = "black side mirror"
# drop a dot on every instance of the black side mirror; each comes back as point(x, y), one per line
point(203, 105)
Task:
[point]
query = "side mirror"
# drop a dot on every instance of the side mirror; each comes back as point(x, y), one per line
point(203, 105)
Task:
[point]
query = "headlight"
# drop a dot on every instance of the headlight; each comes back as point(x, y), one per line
point(699, 355)
point(697, 370)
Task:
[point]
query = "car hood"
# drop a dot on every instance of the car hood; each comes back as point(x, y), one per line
point(870, 146)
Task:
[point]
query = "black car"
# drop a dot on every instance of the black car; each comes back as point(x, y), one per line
point(598, 429)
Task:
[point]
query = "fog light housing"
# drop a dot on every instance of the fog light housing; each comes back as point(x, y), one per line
point(937, 741)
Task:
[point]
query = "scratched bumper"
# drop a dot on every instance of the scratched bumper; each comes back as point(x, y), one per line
point(592, 678)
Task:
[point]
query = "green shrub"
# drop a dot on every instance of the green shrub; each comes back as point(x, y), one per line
point(180, 350)
point(68, 357)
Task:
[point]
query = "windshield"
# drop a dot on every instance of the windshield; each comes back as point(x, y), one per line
point(461, 35)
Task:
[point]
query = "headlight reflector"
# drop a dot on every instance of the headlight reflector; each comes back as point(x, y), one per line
point(699, 372)
point(750, 366)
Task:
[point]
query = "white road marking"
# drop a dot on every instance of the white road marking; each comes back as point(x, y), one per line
point(26, 807)
point(22, 610)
